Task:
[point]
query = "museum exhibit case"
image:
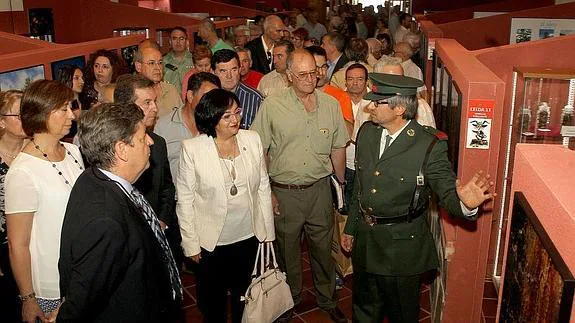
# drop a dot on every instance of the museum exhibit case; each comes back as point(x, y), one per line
point(542, 113)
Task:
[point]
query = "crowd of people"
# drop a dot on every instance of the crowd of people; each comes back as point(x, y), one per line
point(114, 182)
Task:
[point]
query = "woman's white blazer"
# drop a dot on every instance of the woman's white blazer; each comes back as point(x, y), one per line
point(202, 196)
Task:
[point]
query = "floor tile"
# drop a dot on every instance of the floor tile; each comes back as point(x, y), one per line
point(188, 279)
point(307, 303)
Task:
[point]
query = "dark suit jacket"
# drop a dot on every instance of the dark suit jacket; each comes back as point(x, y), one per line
point(340, 63)
point(259, 56)
point(157, 186)
point(386, 186)
point(111, 267)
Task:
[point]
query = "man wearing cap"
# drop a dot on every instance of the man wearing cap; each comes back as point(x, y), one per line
point(399, 163)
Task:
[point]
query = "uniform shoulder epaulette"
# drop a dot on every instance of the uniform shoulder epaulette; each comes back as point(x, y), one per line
point(439, 134)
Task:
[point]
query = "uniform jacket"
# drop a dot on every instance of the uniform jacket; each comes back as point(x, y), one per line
point(111, 267)
point(202, 196)
point(386, 188)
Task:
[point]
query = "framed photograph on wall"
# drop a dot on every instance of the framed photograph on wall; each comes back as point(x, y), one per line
point(79, 61)
point(21, 78)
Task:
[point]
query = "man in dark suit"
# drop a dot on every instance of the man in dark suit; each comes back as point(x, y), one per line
point(334, 44)
point(399, 163)
point(262, 47)
point(156, 182)
point(115, 263)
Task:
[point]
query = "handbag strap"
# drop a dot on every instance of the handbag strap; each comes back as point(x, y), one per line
point(272, 259)
point(260, 259)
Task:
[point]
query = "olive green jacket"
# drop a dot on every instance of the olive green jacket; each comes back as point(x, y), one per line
point(385, 186)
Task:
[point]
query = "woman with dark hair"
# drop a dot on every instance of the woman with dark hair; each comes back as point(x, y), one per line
point(224, 203)
point(103, 68)
point(12, 138)
point(72, 77)
point(37, 185)
point(299, 37)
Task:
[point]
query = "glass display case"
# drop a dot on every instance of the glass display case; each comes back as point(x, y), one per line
point(544, 105)
point(541, 113)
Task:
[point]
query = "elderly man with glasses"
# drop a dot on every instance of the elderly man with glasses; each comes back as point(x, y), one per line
point(149, 63)
point(304, 137)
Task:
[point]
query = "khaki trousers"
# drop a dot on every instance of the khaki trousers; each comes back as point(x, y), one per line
point(310, 211)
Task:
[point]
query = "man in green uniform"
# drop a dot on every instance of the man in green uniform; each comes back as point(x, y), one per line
point(399, 163)
point(178, 61)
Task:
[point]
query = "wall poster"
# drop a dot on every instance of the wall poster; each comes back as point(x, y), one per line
point(527, 29)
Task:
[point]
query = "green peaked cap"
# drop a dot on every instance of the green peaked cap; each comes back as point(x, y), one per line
point(388, 85)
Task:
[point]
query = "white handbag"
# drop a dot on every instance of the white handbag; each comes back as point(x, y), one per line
point(269, 295)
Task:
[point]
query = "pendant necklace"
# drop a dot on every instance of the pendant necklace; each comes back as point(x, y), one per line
point(234, 188)
point(54, 164)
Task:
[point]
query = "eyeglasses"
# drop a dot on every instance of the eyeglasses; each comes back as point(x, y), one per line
point(11, 115)
point(305, 75)
point(323, 67)
point(380, 103)
point(152, 63)
point(227, 117)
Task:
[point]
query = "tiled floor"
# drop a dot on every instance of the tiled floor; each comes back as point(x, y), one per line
point(307, 310)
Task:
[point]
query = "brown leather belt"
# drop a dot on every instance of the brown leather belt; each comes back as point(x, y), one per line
point(293, 186)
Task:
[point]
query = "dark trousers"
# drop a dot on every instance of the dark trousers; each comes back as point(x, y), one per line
point(10, 311)
point(375, 296)
point(310, 211)
point(226, 268)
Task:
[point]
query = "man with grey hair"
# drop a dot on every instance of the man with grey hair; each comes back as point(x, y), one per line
point(248, 76)
point(149, 64)
point(114, 256)
point(304, 136)
point(208, 33)
point(277, 80)
point(375, 48)
point(262, 47)
point(393, 66)
point(241, 35)
point(334, 43)
point(404, 51)
point(414, 40)
point(400, 164)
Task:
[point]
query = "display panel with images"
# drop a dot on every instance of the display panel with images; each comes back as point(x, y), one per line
point(21, 78)
point(447, 108)
point(527, 29)
point(538, 286)
point(128, 54)
point(79, 61)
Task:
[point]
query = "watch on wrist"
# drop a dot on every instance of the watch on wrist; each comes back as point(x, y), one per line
point(25, 298)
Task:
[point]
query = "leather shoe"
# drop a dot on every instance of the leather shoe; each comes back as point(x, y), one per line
point(336, 315)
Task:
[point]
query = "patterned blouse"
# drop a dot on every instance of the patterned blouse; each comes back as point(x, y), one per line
point(3, 171)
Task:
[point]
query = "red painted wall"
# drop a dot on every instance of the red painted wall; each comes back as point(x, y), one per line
point(214, 8)
point(494, 31)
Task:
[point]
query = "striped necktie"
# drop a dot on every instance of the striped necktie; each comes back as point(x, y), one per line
point(154, 224)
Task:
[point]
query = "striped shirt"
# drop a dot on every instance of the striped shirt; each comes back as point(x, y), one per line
point(250, 101)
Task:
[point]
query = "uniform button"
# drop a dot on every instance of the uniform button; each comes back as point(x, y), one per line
point(401, 179)
point(377, 173)
point(370, 209)
point(373, 190)
point(412, 236)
